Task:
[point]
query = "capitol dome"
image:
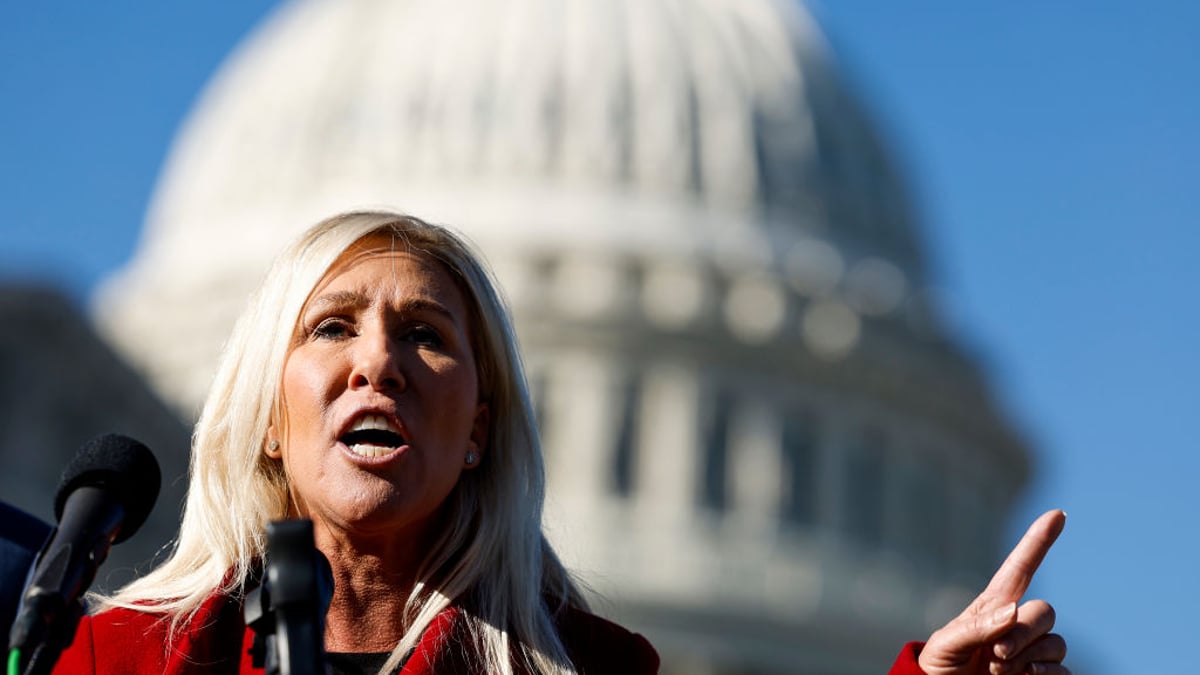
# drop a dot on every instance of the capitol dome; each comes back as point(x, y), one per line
point(763, 445)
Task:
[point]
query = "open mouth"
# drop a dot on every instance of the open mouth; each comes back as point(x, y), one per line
point(372, 436)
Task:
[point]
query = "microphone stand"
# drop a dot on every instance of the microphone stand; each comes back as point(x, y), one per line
point(51, 602)
point(287, 612)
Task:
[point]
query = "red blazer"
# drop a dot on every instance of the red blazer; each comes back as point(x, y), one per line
point(127, 642)
point(217, 641)
point(906, 662)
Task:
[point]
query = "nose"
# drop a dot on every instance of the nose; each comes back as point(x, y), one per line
point(376, 363)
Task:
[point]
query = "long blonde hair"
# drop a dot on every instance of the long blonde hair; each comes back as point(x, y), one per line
point(492, 559)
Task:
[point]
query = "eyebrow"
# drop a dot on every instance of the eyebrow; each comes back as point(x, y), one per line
point(359, 300)
point(352, 299)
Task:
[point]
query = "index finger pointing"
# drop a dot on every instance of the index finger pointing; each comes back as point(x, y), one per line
point(1012, 579)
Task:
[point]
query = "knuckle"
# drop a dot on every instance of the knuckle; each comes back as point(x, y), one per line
point(1039, 613)
point(1057, 644)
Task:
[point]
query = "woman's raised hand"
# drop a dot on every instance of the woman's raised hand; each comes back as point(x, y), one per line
point(996, 634)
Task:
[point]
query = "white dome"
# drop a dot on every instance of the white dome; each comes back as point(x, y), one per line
point(711, 127)
point(463, 111)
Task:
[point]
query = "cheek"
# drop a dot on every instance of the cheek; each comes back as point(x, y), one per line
point(306, 390)
point(459, 388)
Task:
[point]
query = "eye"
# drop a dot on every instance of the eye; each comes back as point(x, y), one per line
point(422, 334)
point(332, 328)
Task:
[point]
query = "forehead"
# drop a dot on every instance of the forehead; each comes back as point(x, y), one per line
point(380, 266)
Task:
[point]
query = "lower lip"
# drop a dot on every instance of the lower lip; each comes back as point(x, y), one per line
point(363, 460)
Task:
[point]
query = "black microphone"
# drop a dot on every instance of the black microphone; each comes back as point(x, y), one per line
point(105, 495)
point(287, 611)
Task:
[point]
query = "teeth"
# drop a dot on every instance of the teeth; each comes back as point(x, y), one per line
point(370, 450)
point(373, 422)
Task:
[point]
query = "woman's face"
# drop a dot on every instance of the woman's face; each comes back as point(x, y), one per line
point(380, 394)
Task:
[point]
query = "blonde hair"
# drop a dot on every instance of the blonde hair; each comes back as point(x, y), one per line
point(492, 558)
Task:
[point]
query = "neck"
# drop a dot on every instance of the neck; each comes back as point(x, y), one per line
point(372, 583)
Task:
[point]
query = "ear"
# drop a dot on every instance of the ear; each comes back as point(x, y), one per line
point(273, 449)
point(480, 430)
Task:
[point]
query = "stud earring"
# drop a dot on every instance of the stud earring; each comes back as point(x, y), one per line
point(471, 459)
point(273, 445)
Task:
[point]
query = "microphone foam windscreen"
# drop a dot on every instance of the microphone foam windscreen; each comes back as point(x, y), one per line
point(123, 467)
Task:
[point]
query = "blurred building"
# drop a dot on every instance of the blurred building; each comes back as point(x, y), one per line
point(62, 385)
point(765, 450)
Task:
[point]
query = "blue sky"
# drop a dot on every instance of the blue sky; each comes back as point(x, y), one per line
point(1052, 147)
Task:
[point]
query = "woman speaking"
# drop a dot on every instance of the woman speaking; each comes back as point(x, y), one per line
point(374, 386)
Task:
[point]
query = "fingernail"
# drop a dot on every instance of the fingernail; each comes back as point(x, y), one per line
point(1004, 615)
point(1004, 648)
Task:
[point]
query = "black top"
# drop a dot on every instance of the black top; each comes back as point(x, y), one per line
point(356, 664)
